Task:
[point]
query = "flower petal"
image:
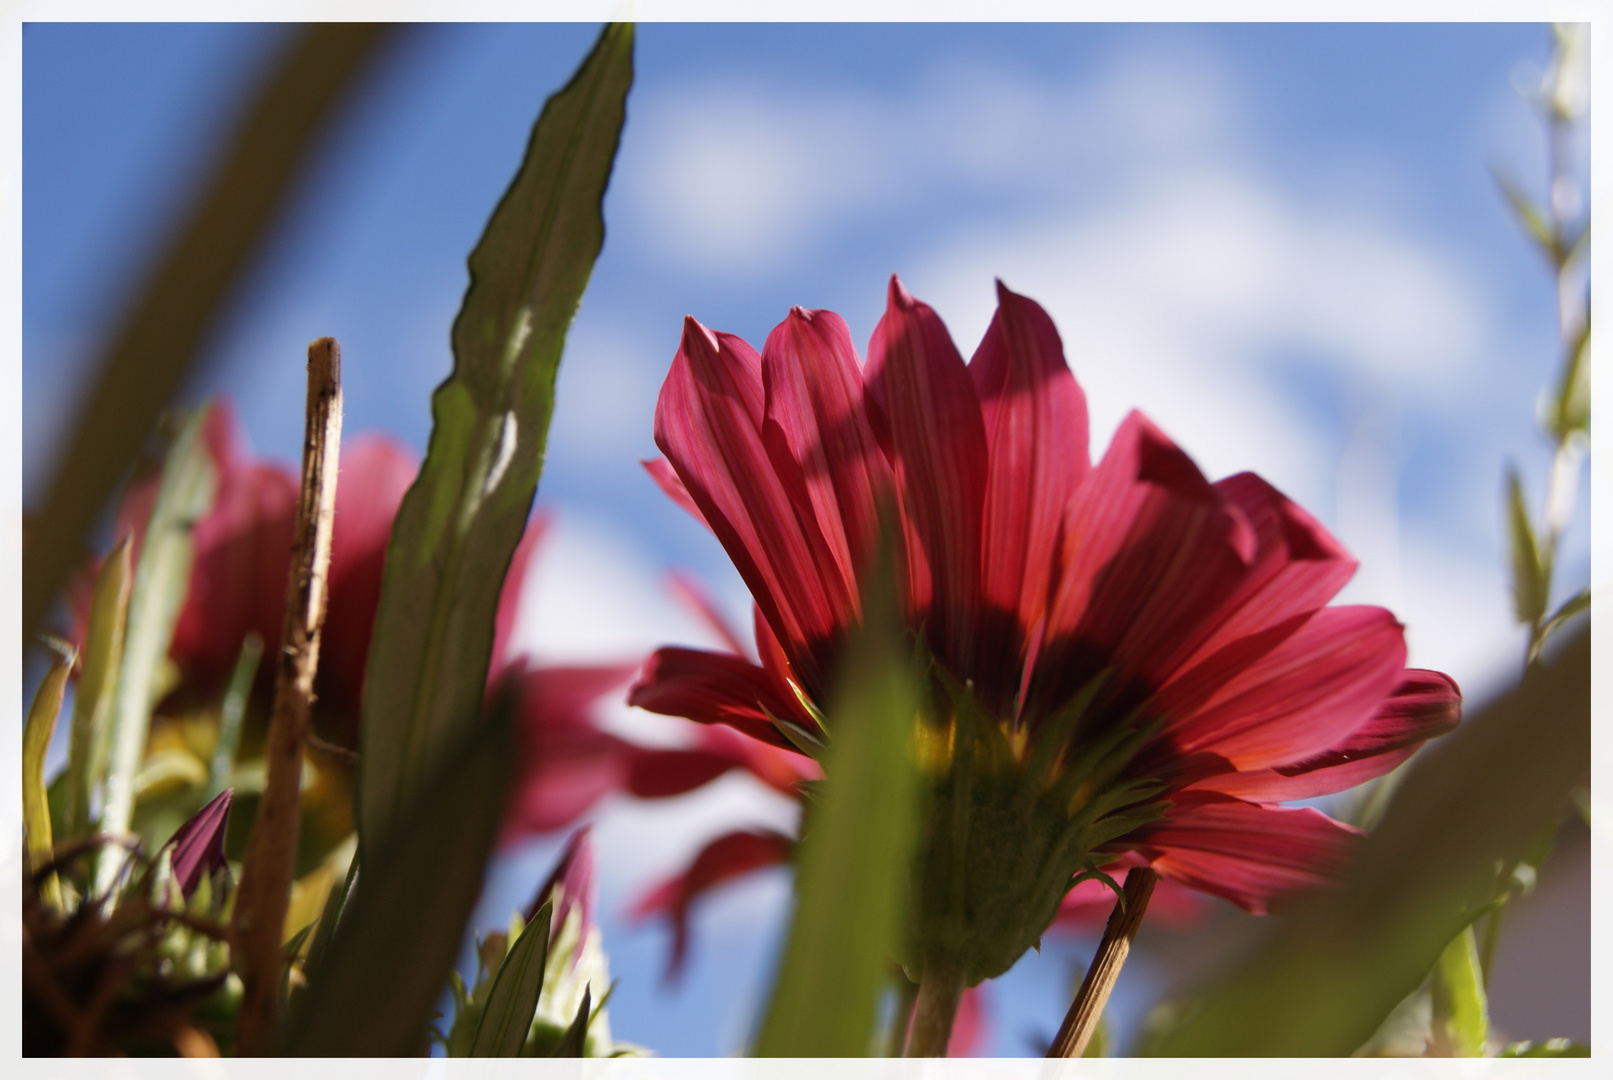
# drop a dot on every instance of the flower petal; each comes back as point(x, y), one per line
point(509, 596)
point(1150, 548)
point(1036, 437)
point(376, 472)
point(708, 423)
point(573, 879)
point(1298, 567)
point(1427, 704)
point(1252, 855)
point(1300, 699)
point(692, 592)
point(817, 433)
point(712, 688)
point(565, 763)
point(924, 410)
point(725, 858)
point(666, 478)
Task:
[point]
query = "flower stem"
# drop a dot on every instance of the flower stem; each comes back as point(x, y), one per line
point(1082, 1019)
point(939, 993)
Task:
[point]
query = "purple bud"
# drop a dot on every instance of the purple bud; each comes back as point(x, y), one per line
point(197, 847)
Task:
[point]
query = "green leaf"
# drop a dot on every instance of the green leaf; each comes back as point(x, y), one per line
point(513, 999)
point(576, 1037)
point(1530, 578)
point(1534, 222)
point(231, 712)
point(161, 578)
point(390, 956)
point(855, 860)
point(1550, 1048)
point(459, 524)
point(329, 916)
point(1344, 959)
point(1581, 601)
point(97, 682)
point(1461, 1020)
point(1572, 408)
point(36, 735)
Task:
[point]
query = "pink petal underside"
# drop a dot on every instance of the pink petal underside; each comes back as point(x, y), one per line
point(708, 423)
point(816, 431)
point(1426, 704)
point(924, 410)
point(565, 763)
point(694, 595)
point(573, 875)
point(971, 1028)
point(1252, 855)
point(729, 856)
point(376, 472)
point(781, 676)
point(666, 478)
point(1036, 436)
point(1300, 699)
point(1150, 549)
point(238, 580)
point(509, 596)
point(654, 773)
point(712, 688)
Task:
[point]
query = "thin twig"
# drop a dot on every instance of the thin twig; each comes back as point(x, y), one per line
point(266, 871)
point(1087, 1008)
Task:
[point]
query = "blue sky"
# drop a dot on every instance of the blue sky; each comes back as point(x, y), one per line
point(1280, 242)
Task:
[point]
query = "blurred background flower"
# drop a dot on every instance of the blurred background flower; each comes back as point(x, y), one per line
point(1281, 242)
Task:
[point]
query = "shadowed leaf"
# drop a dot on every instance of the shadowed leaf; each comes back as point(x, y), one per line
point(513, 999)
point(459, 524)
point(1461, 1021)
point(390, 956)
point(576, 1037)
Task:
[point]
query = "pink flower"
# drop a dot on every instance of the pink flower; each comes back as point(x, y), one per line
point(243, 552)
point(1152, 651)
point(238, 586)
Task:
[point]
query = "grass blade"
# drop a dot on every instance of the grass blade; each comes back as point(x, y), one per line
point(392, 950)
point(459, 524)
point(1345, 959)
point(855, 860)
point(161, 578)
point(97, 683)
point(41, 725)
point(513, 999)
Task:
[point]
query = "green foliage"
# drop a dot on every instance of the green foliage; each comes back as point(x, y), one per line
point(97, 683)
point(1531, 574)
point(513, 1000)
point(390, 955)
point(1329, 977)
point(1460, 1014)
point(36, 733)
point(854, 860)
point(459, 524)
point(161, 578)
point(231, 712)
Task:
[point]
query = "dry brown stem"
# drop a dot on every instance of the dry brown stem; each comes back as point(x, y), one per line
point(1087, 1008)
point(266, 871)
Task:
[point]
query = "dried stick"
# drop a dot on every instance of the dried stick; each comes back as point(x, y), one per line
point(266, 871)
point(1082, 1019)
